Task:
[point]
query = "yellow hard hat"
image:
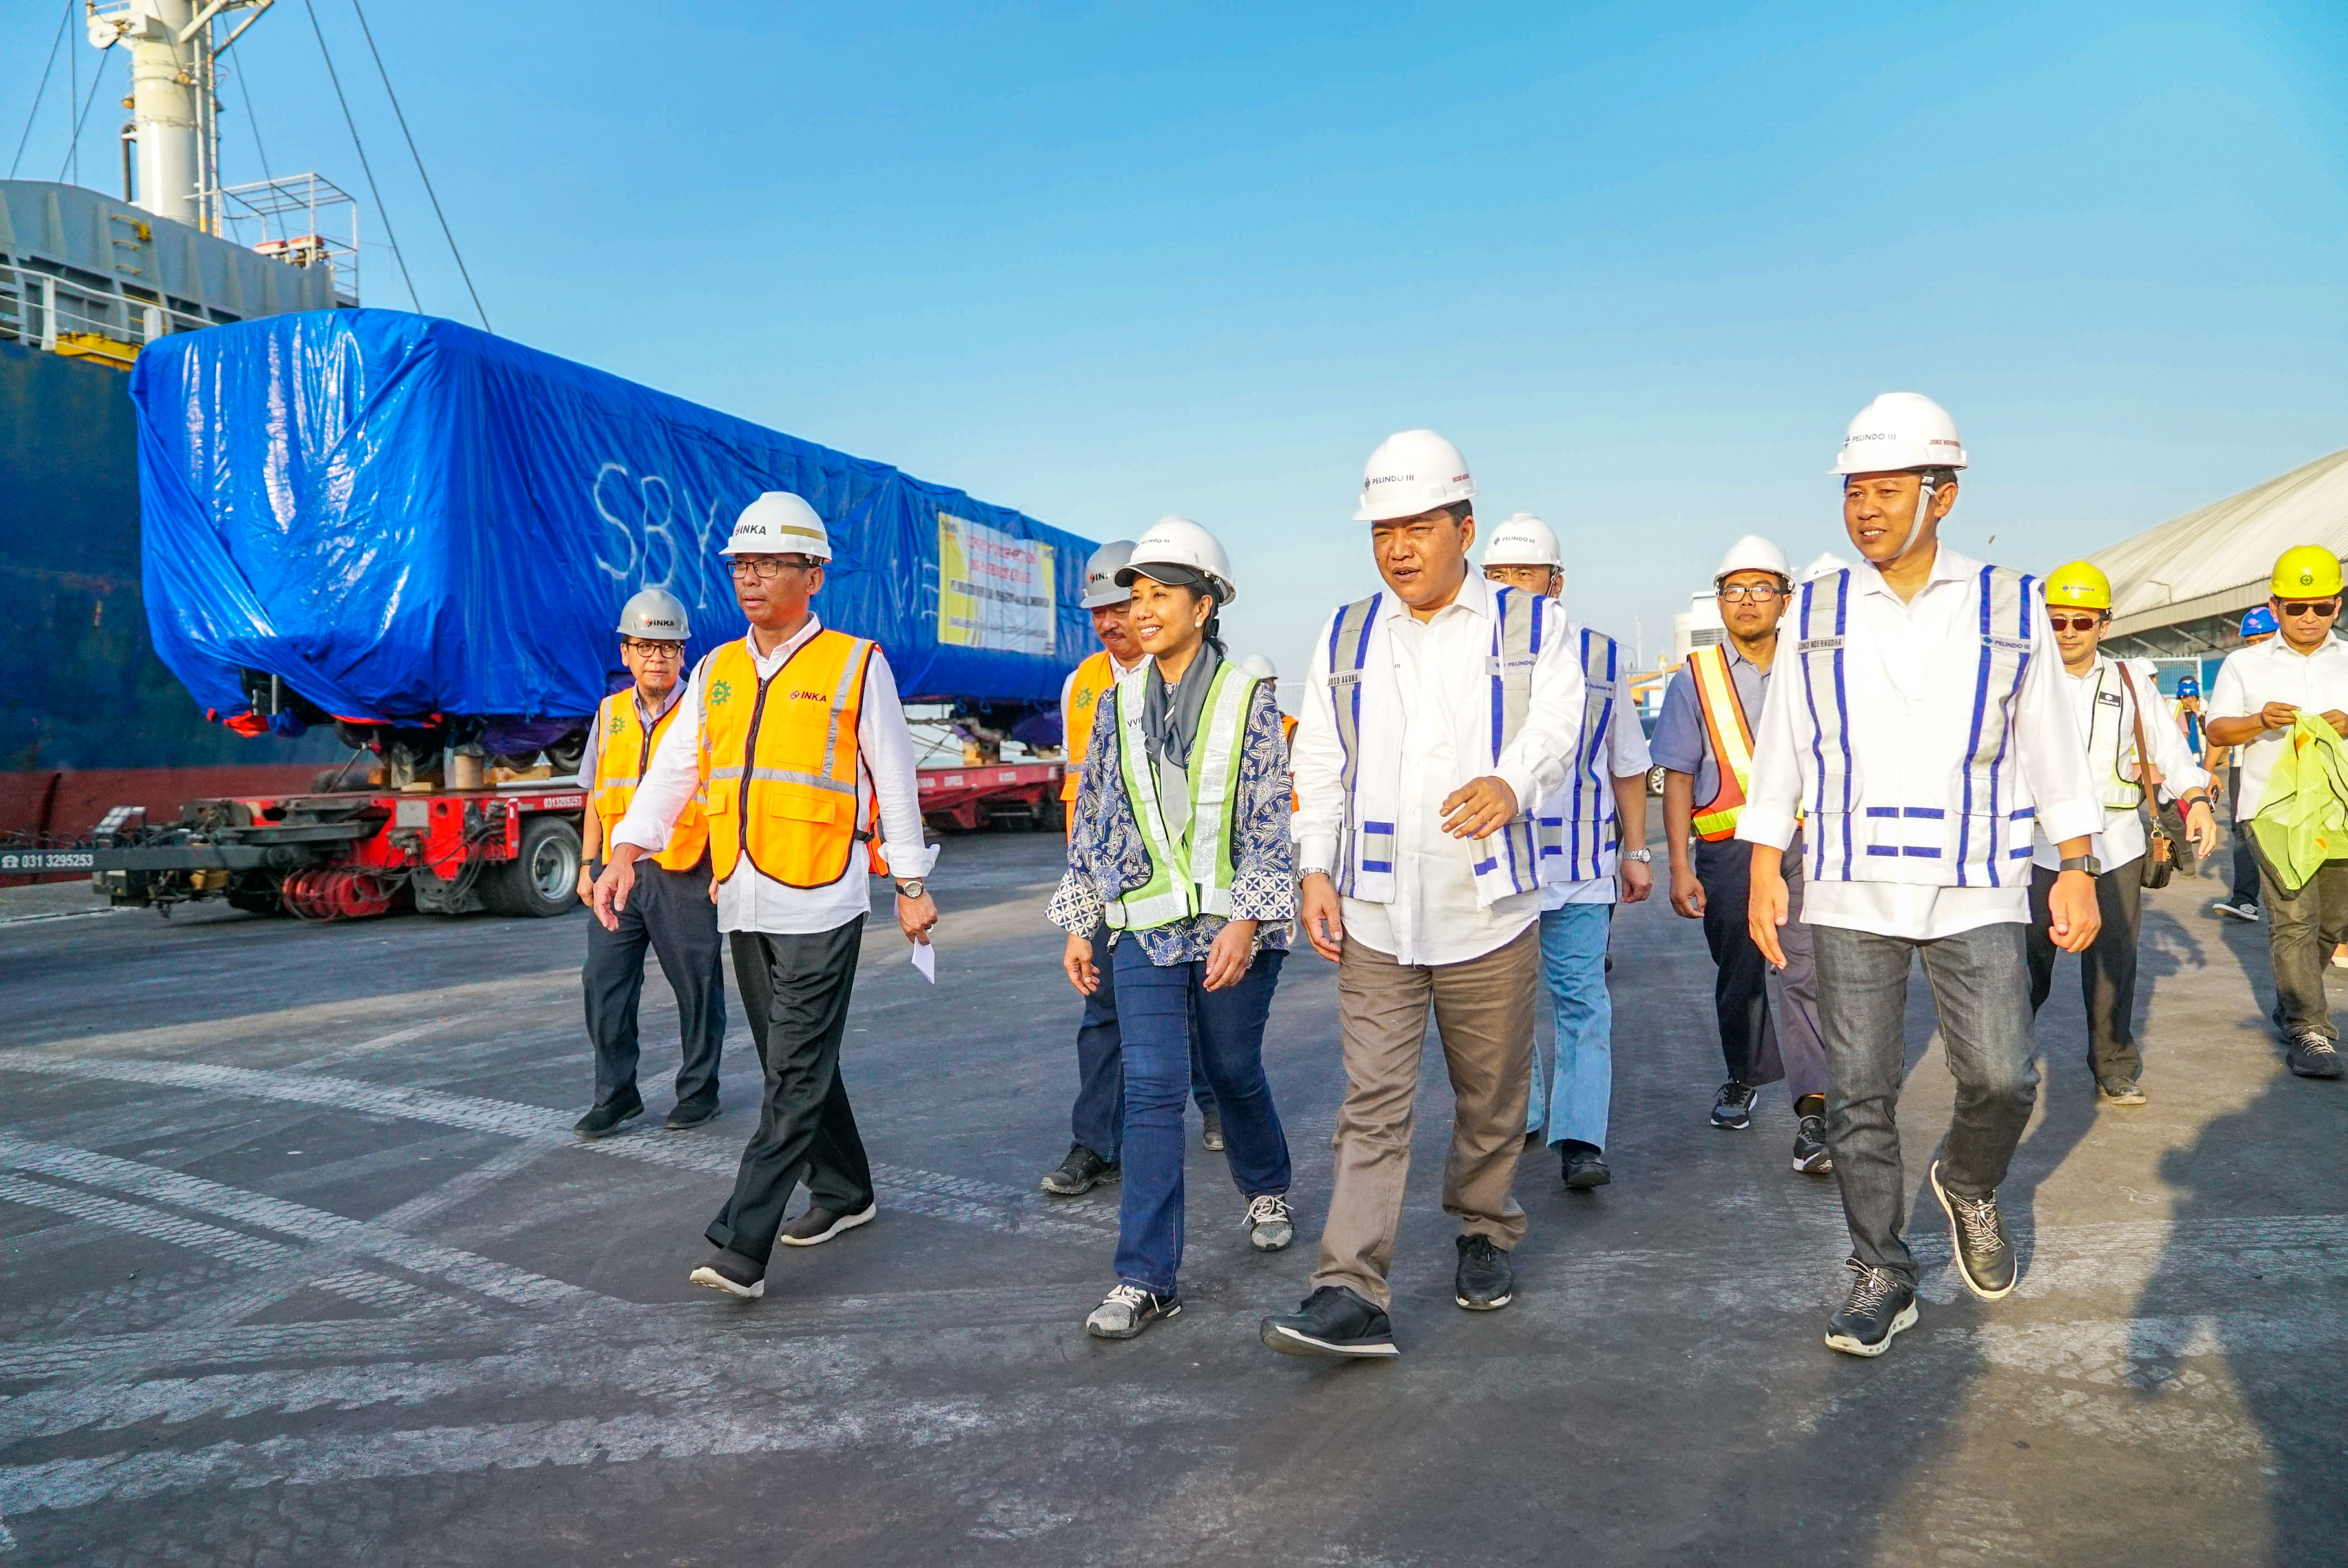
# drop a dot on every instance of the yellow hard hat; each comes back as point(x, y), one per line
point(2077, 585)
point(2306, 572)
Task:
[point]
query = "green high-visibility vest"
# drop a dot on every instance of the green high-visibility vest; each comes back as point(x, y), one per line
point(1189, 872)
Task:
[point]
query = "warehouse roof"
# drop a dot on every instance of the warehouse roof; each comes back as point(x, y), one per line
point(2215, 561)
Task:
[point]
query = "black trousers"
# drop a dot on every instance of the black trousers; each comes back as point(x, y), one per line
point(2106, 969)
point(1740, 986)
point(669, 912)
point(795, 990)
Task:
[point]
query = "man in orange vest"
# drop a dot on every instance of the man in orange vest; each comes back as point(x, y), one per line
point(1703, 741)
point(1097, 1121)
point(788, 741)
point(671, 912)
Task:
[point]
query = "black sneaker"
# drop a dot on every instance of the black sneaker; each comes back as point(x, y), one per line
point(691, 1112)
point(2119, 1089)
point(1880, 1305)
point(1128, 1310)
point(1732, 1110)
point(1212, 1135)
point(1331, 1321)
point(1810, 1153)
point(2314, 1056)
point(1582, 1166)
point(819, 1225)
point(1081, 1172)
point(1484, 1281)
point(1985, 1257)
point(606, 1119)
point(730, 1272)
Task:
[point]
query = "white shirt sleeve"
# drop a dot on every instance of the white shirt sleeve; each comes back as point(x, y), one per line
point(2180, 770)
point(1628, 753)
point(671, 781)
point(1317, 763)
point(2229, 695)
point(886, 742)
point(2047, 729)
point(1773, 795)
point(593, 748)
point(1534, 763)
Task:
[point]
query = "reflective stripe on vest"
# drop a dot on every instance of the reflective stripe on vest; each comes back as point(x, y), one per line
point(1094, 679)
point(1190, 872)
point(2109, 737)
point(1363, 847)
point(779, 758)
point(1724, 725)
point(1577, 843)
point(623, 742)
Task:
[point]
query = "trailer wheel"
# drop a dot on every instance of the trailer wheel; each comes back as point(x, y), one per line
point(542, 879)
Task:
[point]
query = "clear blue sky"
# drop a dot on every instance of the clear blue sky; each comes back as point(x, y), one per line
point(1641, 262)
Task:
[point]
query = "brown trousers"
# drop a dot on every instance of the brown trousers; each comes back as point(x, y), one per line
point(1484, 1012)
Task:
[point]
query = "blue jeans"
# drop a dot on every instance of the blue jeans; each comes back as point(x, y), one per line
point(1099, 1110)
point(1573, 962)
point(1157, 1008)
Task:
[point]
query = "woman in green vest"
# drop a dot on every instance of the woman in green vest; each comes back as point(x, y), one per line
point(1179, 846)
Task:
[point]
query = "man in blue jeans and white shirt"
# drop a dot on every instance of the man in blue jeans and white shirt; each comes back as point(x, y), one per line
point(1921, 726)
point(1605, 790)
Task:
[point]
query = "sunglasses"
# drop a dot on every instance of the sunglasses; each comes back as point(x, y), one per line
point(2326, 607)
point(2075, 622)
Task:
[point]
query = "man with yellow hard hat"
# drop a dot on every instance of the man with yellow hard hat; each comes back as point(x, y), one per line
point(2137, 754)
point(2260, 693)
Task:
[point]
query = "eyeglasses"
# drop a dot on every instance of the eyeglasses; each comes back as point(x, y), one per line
point(765, 569)
point(1759, 593)
point(2324, 608)
point(654, 650)
point(2075, 622)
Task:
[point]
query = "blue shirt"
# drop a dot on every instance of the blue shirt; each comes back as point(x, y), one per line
point(1682, 743)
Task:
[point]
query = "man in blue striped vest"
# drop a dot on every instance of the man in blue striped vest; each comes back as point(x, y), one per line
point(1921, 733)
point(1582, 828)
point(1438, 712)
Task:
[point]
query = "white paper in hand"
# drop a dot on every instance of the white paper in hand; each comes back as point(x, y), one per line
point(925, 959)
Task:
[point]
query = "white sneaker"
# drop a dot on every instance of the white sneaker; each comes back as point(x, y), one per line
point(1128, 1310)
point(1269, 1225)
point(2245, 910)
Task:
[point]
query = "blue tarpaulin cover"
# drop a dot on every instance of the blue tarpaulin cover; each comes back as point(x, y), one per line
point(402, 516)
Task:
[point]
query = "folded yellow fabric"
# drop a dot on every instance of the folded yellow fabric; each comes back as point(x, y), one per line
point(2302, 819)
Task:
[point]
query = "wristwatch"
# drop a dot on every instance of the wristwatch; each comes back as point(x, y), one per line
point(2086, 863)
point(912, 889)
point(1642, 855)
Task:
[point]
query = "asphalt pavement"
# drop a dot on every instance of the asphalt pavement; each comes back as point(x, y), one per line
point(300, 1265)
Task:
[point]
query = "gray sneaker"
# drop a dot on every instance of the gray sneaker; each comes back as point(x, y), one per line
point(1270, 1228)
point(2312, 1055)
point(1128, 1310)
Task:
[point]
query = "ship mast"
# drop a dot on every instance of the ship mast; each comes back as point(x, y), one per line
point(175, 108)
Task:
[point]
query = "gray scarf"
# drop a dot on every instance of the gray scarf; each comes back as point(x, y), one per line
point(1169, 728)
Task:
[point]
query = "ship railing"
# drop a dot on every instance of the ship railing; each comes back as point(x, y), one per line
point(44, 311)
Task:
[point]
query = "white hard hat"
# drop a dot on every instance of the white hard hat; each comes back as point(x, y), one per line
point(1101, 588)
point(1257, 665)
point(1523, 540)
point(653, 615)
point(1901, 430)
point(1827, 565)
point(1754, 553)
point(778, 524)
point(1413, 471)
point(1178, 541)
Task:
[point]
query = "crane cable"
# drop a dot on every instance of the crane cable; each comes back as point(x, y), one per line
point(364, 167)
point(73, 148)
point(43, 91)
point(399, 114)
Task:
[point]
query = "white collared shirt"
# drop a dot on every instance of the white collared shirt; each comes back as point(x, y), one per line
point(748, 900)
point(2275, 671)
point(2100, 700)
point(1068, 689)
point(1906, 666)
point(1626, 757)
point(1442, 669)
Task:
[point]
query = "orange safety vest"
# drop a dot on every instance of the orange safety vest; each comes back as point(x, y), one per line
point(1095, 680)
point(1731, 737)
point(623, 753)
point(780, 760)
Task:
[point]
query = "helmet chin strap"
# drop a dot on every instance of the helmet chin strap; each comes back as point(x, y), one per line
point(1925, 491)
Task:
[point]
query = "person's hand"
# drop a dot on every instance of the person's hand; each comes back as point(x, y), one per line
point(2278, 716)
point(1638, 881)
point(915, 916)
point(2201, 827)
point(1687, 893)
point(713, 888)
point(1076, 962)
point(1767, 908)
point(2337, 720)
point(2074, 917)
point(586, 885)
point(612, 887)
point(1317, 907)
point(1233, 952)
point(1479, 808)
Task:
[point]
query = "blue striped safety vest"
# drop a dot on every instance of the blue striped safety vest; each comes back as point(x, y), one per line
point(1577, 832)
